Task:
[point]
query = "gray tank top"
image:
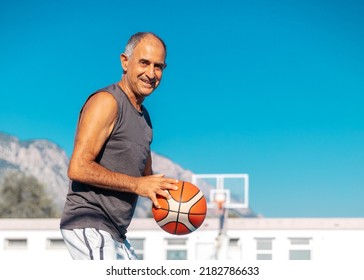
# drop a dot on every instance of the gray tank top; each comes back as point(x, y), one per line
point(126, 151)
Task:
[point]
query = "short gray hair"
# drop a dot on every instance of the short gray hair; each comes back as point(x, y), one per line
point(135, 39)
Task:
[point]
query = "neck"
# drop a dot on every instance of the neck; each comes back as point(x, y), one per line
point(134, 100)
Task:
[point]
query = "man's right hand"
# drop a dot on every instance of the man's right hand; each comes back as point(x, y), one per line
point(153, 185)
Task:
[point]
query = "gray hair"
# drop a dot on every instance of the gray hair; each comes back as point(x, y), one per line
point(135, 39)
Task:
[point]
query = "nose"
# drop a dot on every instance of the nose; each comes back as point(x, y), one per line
point(150, 71)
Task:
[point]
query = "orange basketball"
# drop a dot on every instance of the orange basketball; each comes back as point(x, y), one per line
point(184, 212)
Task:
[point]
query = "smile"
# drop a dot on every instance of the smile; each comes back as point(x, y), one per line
point(148, 82)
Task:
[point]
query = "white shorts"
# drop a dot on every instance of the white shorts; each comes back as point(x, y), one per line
point(94, 244)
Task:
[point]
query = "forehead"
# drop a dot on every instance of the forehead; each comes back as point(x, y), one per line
point(150, 48)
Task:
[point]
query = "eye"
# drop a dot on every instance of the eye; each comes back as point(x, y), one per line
point(159, 66)
point(144, 62)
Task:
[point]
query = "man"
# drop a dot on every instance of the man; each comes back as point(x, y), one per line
point(111, 162)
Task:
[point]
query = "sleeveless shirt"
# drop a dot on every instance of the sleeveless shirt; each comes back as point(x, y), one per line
point(125, 151)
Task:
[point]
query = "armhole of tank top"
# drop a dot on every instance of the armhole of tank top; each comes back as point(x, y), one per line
point(147, 117)
point(118, 119)
point(83, 106)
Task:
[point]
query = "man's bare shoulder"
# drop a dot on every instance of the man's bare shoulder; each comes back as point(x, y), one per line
point(103, 101)
point(102, 98)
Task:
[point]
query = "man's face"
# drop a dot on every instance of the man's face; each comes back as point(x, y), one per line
point(144, 68)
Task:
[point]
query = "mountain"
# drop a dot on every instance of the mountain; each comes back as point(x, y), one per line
point(48, 162)
point(42, 159)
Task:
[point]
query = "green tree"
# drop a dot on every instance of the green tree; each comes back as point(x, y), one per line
point(23, 196)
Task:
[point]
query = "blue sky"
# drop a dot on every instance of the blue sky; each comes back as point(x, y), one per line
point(274, 89)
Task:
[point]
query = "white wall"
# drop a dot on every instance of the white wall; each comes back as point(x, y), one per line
point(325, 243)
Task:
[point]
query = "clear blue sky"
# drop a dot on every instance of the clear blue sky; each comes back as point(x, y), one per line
point(274, 89)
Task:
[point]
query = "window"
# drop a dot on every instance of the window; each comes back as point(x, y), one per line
point(179, 241)
point(264, 257)
point(234, 249)
point(264, 244)
point(300, 248)
point(233, 242)
point(264, 248)
point(55, 243)
point(300, 241)
point(176, 254)
point(16, 243)
point(299, 254)
point(138, 246)
point(176, 249)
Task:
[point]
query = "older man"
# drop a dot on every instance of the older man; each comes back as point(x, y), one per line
point(111, 162)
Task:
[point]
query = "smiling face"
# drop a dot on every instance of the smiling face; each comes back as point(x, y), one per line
point(143, 69)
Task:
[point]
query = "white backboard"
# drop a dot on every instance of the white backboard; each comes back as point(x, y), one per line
point(234, 187)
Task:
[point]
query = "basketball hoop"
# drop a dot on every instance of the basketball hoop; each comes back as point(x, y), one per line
point(226, 191)
point(219, 200)
point(235, 187)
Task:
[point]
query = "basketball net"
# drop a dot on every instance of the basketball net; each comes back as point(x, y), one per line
point(220, 204)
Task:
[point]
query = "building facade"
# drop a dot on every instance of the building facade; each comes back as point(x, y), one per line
point(246, 239)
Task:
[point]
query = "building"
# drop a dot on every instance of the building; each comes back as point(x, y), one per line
point(247, 239)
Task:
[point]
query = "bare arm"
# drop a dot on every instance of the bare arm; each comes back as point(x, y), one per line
point(95, 125)
point(148, 166)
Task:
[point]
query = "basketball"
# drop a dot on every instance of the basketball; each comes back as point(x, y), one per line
point(184, 212)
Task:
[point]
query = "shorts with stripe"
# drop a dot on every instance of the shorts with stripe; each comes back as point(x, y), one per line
point(94, 244)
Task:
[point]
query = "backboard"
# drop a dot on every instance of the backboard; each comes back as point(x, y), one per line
point(232, 189)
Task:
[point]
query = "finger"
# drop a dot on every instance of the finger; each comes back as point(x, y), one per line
point(157, 175)
point(172, 181)
point(170, 187)
point(155, 202)
point(165, 194)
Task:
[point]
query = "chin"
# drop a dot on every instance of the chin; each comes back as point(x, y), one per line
point(147, 92)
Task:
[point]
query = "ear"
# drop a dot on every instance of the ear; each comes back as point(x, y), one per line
point(124, 62)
